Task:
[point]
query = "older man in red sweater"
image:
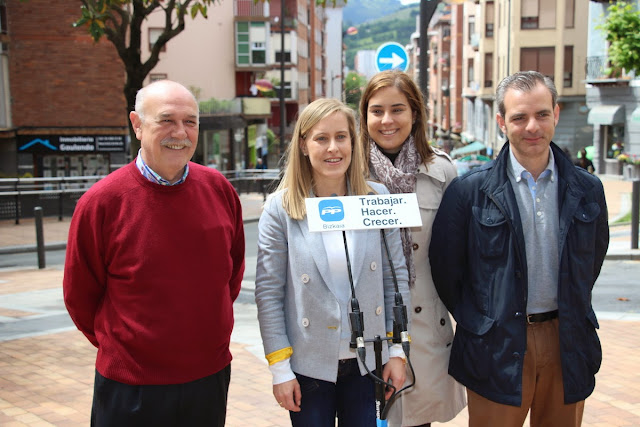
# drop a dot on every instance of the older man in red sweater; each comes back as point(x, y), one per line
point(155, 259)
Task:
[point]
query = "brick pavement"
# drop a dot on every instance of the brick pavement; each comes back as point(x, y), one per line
point(47, 380)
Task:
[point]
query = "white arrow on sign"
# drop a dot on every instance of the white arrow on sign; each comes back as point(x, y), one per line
point(395, 60)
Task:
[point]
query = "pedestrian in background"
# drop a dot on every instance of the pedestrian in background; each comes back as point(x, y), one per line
point(584, 162)
point(303, 281)
point(393, 129)
point(516, 249)
point(155, 259)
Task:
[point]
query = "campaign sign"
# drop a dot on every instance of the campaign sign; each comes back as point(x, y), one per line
point(363, 212)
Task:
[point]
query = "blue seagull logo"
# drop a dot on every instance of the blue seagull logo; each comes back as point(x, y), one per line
point(44, 142)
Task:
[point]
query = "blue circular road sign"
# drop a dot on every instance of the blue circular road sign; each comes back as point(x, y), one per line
point(392, 55)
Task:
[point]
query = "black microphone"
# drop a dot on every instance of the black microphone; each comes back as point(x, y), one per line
point(356, 317)
point(400, 317)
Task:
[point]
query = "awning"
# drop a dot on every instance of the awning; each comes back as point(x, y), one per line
point(635, 118)
point(471, 148)
point(606, 115)
point(467, 136)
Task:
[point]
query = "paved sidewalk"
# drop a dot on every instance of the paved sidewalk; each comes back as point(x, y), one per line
point(47, 380)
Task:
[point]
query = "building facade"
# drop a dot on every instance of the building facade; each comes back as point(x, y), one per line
point(495, 38)
point(62, 108)
point(238, 61)
point(613, 101)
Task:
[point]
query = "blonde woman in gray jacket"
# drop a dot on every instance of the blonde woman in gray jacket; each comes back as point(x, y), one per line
point(302, 283)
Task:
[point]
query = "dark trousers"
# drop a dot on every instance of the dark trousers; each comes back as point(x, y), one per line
point(352, 399)
point(197, 403)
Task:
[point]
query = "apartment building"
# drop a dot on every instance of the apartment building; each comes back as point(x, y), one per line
point(221, 59)
point(613, 102)
point(500, 37)
point(62, 108)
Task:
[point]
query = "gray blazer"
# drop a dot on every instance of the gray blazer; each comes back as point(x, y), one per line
point(297, 309)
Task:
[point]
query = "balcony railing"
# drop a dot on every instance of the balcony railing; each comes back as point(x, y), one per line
point(250, 8)
point(596, 67)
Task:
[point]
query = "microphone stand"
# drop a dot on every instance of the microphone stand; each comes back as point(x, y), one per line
point(400, 335)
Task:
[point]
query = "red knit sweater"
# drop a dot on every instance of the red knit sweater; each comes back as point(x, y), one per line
point(152, 272)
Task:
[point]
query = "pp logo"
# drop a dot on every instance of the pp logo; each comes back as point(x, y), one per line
point(331, 210)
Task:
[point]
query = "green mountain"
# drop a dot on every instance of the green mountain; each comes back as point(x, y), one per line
point(390, 27)
point(358, 11)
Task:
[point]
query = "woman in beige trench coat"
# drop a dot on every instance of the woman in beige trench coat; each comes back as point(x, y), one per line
point(393, 126)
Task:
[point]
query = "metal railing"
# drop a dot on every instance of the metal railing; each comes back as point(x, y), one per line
point(19, 196)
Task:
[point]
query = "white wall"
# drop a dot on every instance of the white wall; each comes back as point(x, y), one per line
point(202, 55)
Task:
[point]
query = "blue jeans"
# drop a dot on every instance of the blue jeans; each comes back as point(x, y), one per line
point(352, 399)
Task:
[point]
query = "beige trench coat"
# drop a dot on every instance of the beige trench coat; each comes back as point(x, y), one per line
point(436, 396)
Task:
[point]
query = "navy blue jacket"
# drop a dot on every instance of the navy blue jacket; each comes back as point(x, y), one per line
point(479, 267)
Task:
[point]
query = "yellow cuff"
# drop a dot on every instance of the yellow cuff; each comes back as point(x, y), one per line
point(390, 335)
point(279, 355)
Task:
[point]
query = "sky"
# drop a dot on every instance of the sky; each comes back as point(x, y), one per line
point(405, 2)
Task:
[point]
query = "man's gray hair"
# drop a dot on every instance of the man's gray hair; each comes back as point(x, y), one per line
point(524, 81)
point(142, 93)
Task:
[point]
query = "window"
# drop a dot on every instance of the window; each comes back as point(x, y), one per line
point(154, 33)
point(287, 90)
point(614, 140)
point(488, 20)
point(567, 76)
point(541, 59)
point(287, 56)
point(488, 69)
point(154, 77)
point(538, 14)
point(470, 72)
point(472, 28)
point(3, 18)
point(251, 41)
point(569, 17)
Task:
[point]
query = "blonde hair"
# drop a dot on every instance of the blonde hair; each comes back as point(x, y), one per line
point(298, 173)
point(404, 83)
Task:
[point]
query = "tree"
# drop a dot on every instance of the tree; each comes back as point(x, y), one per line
point(353, 85)
point(120, 21)
point(622, 29)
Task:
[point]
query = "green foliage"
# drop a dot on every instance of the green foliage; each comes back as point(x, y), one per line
point(101, 17)
point(622, 29)
point(353, 85)
point(213, 106)
point(394, 27)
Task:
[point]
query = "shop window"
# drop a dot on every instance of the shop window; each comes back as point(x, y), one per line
point(614, 141)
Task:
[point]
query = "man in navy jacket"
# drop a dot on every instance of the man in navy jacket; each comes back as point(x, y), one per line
point(517, 246)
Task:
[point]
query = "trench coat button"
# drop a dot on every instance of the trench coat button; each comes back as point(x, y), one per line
point(374, 266)
point(415, 246)
point(305, 322)
point(418, 309)
point(305, 278)
point(518, 314)
point(518, 274)
point(516, 355)
point(489, 221)
point(378, 310)
point(443, 322)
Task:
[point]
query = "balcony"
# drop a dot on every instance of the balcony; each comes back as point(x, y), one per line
point(256, 107)
point(246, 8)
point(600, 72)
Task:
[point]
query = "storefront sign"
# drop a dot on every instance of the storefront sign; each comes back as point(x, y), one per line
point(59, 144)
